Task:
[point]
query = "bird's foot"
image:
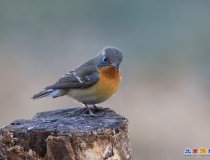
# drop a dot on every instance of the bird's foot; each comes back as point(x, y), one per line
point(100, 109)
point(88, 112)
point(96, 109)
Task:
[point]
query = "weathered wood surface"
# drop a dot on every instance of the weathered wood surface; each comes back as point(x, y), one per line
point(67, 134)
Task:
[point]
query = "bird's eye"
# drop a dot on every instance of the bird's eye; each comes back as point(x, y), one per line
point(105, 59)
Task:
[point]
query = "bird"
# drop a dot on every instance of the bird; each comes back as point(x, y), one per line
point(92, 82)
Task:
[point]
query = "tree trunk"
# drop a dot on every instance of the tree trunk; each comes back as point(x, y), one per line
point(67, 134)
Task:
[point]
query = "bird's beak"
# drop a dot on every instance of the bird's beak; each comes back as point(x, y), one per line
point(115, 66)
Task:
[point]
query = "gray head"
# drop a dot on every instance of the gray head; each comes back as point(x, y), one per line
point(110, 56)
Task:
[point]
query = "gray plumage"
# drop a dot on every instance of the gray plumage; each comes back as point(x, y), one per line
point(84, 75)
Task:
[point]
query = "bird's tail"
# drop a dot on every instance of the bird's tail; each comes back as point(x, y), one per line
point(42, 94)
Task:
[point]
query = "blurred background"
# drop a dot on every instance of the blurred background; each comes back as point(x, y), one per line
point(165, 93)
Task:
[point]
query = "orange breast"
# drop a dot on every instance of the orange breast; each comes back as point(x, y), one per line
point(109, 81)
point(105, 87)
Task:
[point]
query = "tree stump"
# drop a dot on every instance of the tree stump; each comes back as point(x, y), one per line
point(67, 134)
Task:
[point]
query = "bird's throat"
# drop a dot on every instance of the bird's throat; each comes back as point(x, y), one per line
point(109, 72)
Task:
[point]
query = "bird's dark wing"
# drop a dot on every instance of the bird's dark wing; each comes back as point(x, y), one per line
point(79, 78)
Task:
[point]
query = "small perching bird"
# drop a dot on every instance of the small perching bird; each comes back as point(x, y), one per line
point(90, 83)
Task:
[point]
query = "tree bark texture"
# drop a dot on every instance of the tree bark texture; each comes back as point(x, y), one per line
point(67, 134)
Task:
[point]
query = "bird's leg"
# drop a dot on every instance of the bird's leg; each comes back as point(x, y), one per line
point(95, 108)
point(89, 110)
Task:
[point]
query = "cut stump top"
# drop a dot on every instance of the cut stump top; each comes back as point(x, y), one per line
point(69, 121)
point(37, 134)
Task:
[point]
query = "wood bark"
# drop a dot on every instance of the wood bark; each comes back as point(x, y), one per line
point(67, 134)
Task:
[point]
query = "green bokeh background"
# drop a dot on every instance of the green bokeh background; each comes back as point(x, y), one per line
point(166, 67)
